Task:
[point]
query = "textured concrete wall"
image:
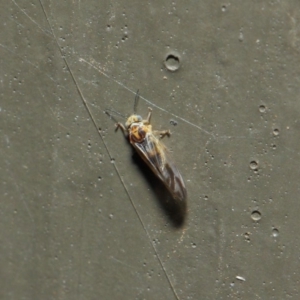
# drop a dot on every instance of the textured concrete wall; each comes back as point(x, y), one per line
point(81, 217)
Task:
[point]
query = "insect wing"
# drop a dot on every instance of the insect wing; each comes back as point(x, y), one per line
point(173, 180)
point(153, 153)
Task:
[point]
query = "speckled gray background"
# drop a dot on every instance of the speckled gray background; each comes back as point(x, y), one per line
point(79, 217)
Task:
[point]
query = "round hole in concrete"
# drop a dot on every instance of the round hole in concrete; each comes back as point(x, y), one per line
point(172, 62)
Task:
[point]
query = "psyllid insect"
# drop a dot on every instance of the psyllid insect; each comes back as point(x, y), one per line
point(148, 145)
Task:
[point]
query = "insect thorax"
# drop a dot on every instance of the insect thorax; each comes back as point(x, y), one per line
point(133, 119)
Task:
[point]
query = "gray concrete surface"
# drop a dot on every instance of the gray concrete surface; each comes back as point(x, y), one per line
point(81, 218)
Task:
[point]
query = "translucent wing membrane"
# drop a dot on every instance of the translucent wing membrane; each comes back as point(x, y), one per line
point(153, 153)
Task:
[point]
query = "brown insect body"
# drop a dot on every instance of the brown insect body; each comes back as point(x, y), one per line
point(148, 145)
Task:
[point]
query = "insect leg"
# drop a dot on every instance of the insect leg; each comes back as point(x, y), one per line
point(120, 125)
point(149, 115)
point(162, 133)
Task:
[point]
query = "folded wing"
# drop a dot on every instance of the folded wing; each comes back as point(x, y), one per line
point(153, 153)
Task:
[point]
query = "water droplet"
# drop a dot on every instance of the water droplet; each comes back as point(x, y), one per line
point(172, 62)
point(111, 216)
point(224, 8)
point(112, 160)
point(256, 215)
point(253, 165)
point(194, 245)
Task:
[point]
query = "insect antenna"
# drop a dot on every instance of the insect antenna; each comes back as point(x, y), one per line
point(109, 112)
point(136, 101)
